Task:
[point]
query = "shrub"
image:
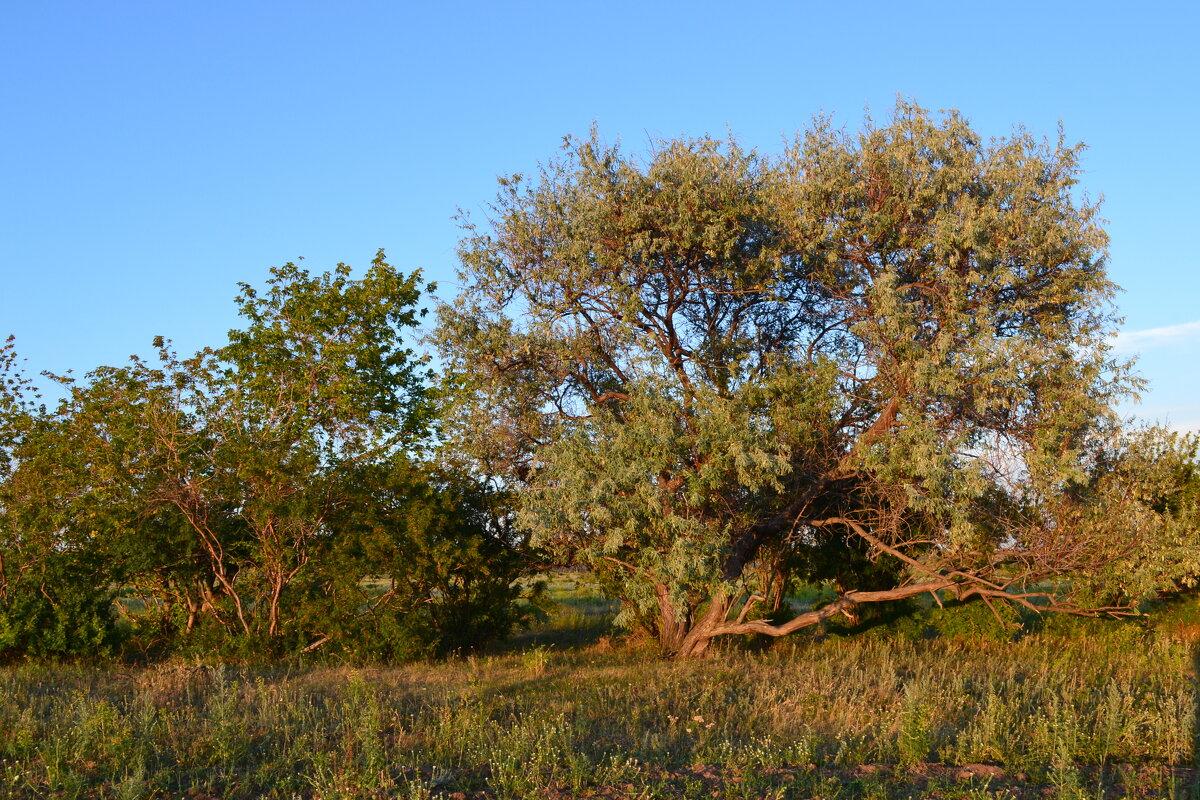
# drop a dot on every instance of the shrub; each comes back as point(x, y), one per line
point(59, 613)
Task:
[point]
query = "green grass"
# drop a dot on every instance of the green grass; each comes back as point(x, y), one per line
point(568, 710)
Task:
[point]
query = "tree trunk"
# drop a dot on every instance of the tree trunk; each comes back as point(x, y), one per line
point(673, 628)
point(697, 638)
point(273, 605)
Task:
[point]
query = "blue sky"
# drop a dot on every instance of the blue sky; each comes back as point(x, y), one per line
point(153, 154)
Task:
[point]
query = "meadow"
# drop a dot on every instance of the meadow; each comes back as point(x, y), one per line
point(569, 709)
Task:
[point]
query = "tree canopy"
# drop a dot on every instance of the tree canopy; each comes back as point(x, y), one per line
point(277, 494)
point(874, 359)
point(877, 362)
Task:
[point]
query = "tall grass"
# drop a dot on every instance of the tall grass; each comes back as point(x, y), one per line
point(1107, 715)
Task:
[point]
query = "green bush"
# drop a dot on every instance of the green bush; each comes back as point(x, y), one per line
point(916, 620)
point(421, 564)
point(59, 613)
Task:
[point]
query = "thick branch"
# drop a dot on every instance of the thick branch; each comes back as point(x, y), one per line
point(843, 603)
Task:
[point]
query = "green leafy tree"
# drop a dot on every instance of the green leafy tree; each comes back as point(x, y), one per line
point(138, 433)
point(253, 498)
point(424, 562)
point(247, 441)
point(1143, 485)
point(319, 378)
point(873, 360)
point(56, 586)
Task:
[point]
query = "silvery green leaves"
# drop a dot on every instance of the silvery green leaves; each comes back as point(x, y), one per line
point(710, 367)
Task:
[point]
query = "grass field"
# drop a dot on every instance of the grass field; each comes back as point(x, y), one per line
point(568, 710)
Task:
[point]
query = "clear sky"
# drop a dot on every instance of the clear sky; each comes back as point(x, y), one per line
point(153, 154)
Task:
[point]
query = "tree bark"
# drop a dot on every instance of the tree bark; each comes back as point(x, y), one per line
point(673, 627)
point(702, 632)
point(714, 622)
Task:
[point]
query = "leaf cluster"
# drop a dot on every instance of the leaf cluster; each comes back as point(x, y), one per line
point(278, 494)
point(873, 358)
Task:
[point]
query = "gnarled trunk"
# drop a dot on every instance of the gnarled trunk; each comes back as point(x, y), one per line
point(696, 641)
point(673, 627)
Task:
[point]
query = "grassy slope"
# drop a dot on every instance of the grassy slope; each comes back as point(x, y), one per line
point(566, 712)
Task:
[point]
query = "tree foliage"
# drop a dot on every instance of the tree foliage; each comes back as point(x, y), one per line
point(1143, 486)
point(250, 498)
point(873, 359)
point(55, 588)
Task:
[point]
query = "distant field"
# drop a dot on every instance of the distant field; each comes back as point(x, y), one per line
point(568, 710)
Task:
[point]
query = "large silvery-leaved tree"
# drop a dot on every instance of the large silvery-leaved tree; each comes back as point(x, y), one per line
point(875, 359)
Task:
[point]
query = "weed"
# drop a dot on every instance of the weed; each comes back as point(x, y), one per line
point(1084, 716)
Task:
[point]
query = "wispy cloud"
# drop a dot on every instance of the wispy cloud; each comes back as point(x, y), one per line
point(1182, 424)
point(1182, 418)
point(1136, 341)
